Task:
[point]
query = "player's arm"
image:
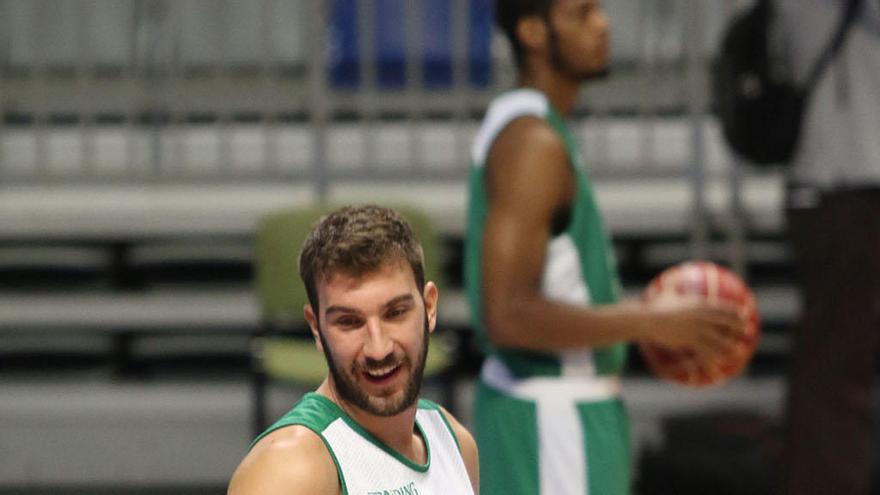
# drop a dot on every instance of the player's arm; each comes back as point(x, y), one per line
point(468, 450)
point(288, 461)
point(529, 180)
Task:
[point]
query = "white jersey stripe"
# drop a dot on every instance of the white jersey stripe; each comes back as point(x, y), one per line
point(574, 389)
point(562, 281)
point(562, 456)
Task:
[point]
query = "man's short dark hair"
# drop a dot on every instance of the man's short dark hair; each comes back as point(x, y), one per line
point(508, 14)
point(356, 240)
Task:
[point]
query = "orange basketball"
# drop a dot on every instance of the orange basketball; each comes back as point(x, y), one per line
point(710, 282)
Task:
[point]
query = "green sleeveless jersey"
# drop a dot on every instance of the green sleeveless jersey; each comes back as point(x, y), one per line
point(365, 465)
point(580, 267)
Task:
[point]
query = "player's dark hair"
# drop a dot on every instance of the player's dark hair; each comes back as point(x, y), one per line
point(508, 14)
point(356, 240)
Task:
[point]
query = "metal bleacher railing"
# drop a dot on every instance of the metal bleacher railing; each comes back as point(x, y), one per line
point(150, 118)
point(317, 92)
point(155, 89)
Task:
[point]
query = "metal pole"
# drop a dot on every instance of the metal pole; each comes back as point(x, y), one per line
point(368, 45)
point(647, 43)
point(83, 72)
point(158, 66)
point(460, 64)
point(38, 74)
point(318, 100)
point(176, 130)
point(271, 158)
point(737, 241)
point(134, 75)
point(221, 72)
point(414, 80)
point(693, 41)
point(5, 62)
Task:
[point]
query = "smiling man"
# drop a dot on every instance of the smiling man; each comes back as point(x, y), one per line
point(364, 430)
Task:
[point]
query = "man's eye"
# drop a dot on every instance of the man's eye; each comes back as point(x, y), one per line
point(348, 322)
point(396, 313)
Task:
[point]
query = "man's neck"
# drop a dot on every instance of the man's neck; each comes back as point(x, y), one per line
point(397, 432)
point(560, 90)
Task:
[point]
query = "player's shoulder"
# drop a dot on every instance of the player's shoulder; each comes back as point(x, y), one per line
point(289, 440)
point(527, 141)
point(529, 132)
point(528, 166)
point(289, 460)
point(461, 433)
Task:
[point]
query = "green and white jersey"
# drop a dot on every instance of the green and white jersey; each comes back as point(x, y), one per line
point(366, 466)
point(579, 267)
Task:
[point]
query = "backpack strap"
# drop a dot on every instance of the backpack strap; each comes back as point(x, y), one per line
point(833, 47)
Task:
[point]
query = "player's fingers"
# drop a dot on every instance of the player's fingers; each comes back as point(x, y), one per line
point(731, 323)
point(717, 343)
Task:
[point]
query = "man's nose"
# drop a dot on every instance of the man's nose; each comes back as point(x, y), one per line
point(378, 344)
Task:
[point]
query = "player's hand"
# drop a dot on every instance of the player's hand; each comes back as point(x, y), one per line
point(711, 331)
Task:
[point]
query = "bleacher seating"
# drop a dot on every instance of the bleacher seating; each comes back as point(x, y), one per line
point(136, 164)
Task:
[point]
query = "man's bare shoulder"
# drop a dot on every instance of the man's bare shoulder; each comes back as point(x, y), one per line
point(528, 169)
point(528, 133)
point(288, 461)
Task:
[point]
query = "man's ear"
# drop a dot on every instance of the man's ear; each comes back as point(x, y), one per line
point(431, 295)
point(312, 319)
point(532, 33)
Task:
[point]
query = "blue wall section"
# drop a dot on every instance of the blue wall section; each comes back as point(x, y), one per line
point(390, 43)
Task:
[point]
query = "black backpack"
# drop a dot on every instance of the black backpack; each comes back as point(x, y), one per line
point(759, 104)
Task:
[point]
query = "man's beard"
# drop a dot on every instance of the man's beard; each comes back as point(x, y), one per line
point(350, 392)
point(560, 64)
